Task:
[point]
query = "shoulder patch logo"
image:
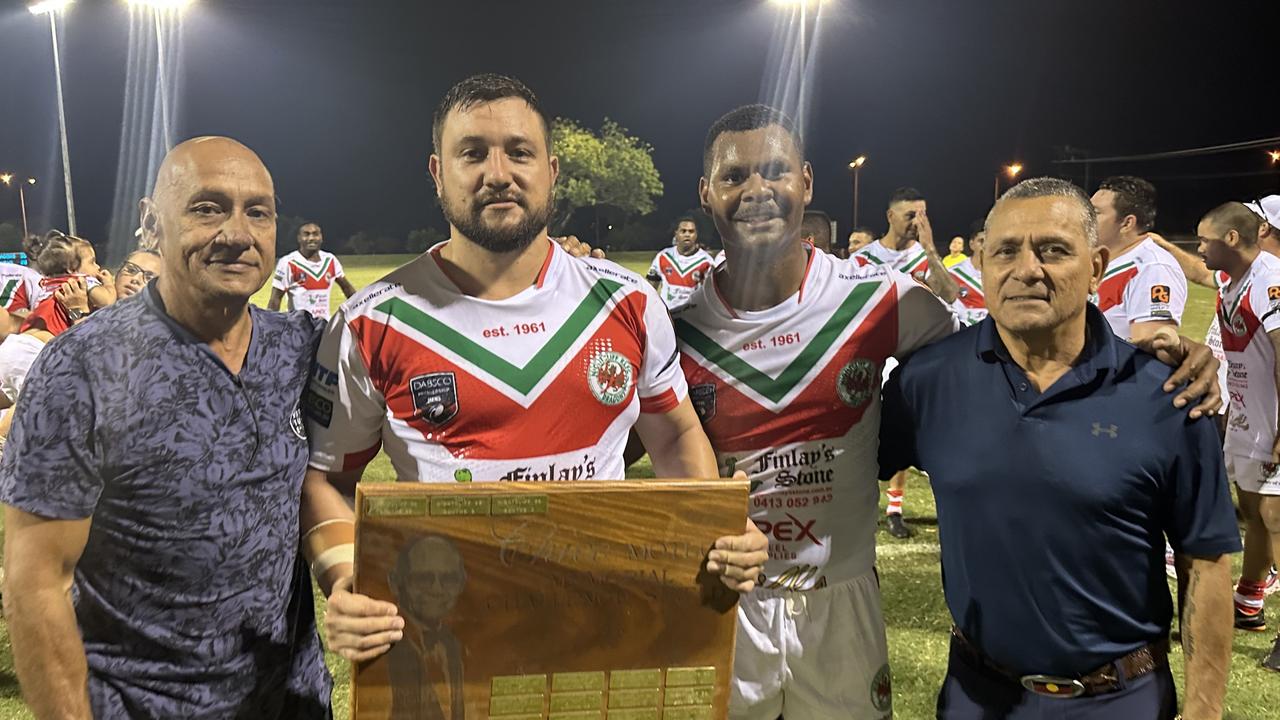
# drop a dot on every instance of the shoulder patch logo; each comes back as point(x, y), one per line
point(296, 424)
point(1160, 293)
point(857, 381)
point(1273, 292)
point(703, 399)
point(435, 397)
point(610, 377)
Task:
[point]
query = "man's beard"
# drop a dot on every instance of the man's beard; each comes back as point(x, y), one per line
point(470, 222)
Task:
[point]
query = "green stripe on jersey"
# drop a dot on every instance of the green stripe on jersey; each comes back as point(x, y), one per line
point(906, 266)
point(317, 276)
point(776, 389)
point(7, 292)
point(965, 276)
point(674, 256)
point(1117, 269)
point(520, 379)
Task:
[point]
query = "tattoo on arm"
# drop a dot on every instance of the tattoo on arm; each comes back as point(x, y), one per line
point(1188, 613)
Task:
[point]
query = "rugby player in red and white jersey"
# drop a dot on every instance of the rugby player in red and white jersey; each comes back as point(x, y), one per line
point(307, 275)
point(677, 270)
point(1249, 317)
point(782, 348)
point(971, 303)
point(494, 356)
point(908, 248)
point(17, 284)
point(1143, 287)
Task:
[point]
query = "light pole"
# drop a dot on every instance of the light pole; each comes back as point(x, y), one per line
point(52, 8)
point(1012, 171)
point(162, 74)
point(804, 56)
point(7, 179)
point(856, 166)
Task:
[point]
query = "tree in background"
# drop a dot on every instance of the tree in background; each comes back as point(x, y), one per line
point(423, 238)
point(287, 227)
point(609, 168)
point(10, 237)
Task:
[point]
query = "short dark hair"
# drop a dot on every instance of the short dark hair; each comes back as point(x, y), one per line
point(1235, 216)
point(683, 219)
point(816, 223)
point(1133, 196)
point(745, 118)
point(905, 194)
point(863, 229)
point(978, 227)
point(306, 223)
point(480, 89)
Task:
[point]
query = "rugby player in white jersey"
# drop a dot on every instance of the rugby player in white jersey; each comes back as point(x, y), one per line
point(971, 303)
point(494, 356)
point(307, 275)
point(782, 348)
point(1249, 316)
point(1143, 288)
point(677, 270)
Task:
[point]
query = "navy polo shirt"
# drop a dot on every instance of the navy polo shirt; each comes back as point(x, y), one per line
point(1052, 506)
point(191, 597)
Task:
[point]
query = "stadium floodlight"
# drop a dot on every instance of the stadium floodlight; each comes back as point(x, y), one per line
point(48, 6)
point(1013, 170)
point(178, 5)
point(793, 3)
point(858, 161)
point(1275, 156)
point(7, 178)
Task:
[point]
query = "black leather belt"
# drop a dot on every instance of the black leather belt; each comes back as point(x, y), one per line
point(1099, 682)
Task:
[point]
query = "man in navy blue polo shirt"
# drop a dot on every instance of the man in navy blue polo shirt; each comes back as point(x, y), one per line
point(1052, 516)
point(154, 468)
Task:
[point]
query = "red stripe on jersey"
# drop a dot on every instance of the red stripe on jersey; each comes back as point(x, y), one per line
point(488, 425)
point(672, 276)
point(1231, 341)
point(301, 278)
point(1111, 290)
point(666, 402)
point(808, 264)
point(817, 412)
point(357, 460)
point(546, 263)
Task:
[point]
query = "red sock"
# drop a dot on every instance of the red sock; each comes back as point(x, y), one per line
point(1249, 596)
point(895, 503)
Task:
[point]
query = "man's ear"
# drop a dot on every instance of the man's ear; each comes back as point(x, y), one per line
point(433, 167)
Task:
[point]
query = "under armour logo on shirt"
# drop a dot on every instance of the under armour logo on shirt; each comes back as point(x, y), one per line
point(1098, 430)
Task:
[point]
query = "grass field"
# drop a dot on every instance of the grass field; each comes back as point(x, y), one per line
point(916, 615)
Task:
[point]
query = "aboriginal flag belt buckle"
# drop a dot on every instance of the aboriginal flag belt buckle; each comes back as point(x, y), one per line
point(1050, 686)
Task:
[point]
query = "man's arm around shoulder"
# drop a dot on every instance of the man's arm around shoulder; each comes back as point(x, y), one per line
point(40, 557)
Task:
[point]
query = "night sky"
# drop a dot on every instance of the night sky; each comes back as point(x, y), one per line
point(337, 96)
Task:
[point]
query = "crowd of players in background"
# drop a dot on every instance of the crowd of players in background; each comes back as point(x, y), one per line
point(1145, 287)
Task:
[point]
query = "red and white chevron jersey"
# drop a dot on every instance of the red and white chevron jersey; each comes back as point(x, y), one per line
point(1144, 284)
point(544, 385)
point(18, 284)
point(307, 283)
point(970, 304)
point(912, 260)
point(791, 396)
point(1248, 309)
point(679, 274)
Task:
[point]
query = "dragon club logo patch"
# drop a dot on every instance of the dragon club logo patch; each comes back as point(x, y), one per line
point(296, 424)
point(857, 381)
point(882, 690)
point(435, 397)
point(609, 376)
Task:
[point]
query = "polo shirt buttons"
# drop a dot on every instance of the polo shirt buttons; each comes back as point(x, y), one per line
point(1022, 387)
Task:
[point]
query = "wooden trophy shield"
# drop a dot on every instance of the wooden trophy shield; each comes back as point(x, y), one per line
point(575, 601)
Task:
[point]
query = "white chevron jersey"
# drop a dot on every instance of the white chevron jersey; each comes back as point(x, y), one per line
point(308, 284)
point(1248, 309)
point(912, 260)
point(679, 274)
point(544, 385)
point(791, 396)
point(970, 303)
point(1144, 284)
point(18, 285)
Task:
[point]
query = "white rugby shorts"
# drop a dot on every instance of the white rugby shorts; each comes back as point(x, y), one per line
point(812, 655)
point(1251, 476)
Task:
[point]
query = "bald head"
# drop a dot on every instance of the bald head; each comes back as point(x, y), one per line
point(212, 214)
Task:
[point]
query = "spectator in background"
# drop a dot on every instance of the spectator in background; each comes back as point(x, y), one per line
point(860, 238)
point(956, 250)
point(140, 268)
point(815, 229)
point(307, 275)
